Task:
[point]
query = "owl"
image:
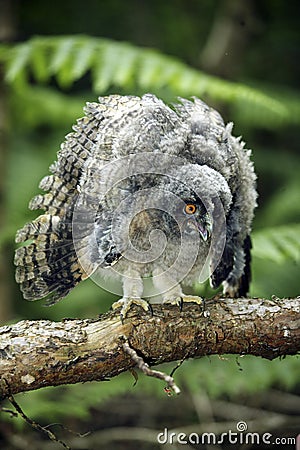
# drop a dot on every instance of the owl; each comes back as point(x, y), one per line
point(144, 198)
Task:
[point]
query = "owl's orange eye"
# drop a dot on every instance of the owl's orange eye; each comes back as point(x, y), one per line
point(190, 208)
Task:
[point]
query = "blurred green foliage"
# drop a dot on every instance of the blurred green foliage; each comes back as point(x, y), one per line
point(229, 376)
point(134, 47)
point(123, 66)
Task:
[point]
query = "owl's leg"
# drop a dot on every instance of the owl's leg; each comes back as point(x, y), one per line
point(132, 292)
point(172, 295)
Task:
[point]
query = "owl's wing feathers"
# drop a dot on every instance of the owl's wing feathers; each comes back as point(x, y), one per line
point(47, 265)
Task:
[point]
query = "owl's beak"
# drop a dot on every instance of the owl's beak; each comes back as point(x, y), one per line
point(204, 228)
point(203, 231)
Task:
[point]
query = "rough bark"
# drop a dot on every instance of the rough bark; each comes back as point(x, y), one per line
point(34, 354)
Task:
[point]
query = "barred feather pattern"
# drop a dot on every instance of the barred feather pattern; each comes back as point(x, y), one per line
point(47, 265)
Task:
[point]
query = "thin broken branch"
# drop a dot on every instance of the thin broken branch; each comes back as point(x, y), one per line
point(144, 367)
point(36, 425)
point(34, 354)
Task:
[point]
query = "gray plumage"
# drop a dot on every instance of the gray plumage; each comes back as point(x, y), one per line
point(135, 166)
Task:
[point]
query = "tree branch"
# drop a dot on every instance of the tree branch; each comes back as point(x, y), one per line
point(34, 354)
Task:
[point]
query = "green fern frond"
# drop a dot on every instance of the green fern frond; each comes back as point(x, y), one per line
point(126, 67)
point(278, 244)
point(284, 205)
point(18, 59)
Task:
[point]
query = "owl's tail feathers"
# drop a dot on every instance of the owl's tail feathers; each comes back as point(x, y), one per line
point(234, 269)
point(47, 265)
point(238, 282)
point(245, 279)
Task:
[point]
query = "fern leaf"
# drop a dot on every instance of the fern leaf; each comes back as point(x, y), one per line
point(127, 65)
point(149, 70)
point(40, 61)
point(83, 57)
point(106, 65)
point(284, 205)
point(61, 53)
point(123, 66)
point(17, 62)
point(278, 244)
point(61, 59)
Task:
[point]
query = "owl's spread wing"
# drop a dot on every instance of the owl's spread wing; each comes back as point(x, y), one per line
point(47, 264)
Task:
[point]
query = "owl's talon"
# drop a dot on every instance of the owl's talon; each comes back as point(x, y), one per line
point(150, 309)
point(125, 305)
point(193, 299)
point(174, 300)
point(181, 304)
point(179, 301)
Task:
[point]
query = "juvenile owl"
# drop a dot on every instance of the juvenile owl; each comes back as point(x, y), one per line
point(143, 196)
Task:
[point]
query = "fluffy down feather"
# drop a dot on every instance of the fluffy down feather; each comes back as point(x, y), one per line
point(131, 167)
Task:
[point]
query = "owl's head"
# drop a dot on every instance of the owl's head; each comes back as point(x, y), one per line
point(199, 196)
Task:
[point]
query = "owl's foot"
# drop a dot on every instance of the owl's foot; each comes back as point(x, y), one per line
point(193, 299)
point(180, 300)
point(125, 304)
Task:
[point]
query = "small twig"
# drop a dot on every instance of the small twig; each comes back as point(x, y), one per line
point(177, 366)
point(9, 411)
point(135, 376)
point(35, 425)
point(75, 433)
point(144, 367)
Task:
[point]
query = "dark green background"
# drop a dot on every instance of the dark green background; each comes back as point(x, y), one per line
point(254, 43)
